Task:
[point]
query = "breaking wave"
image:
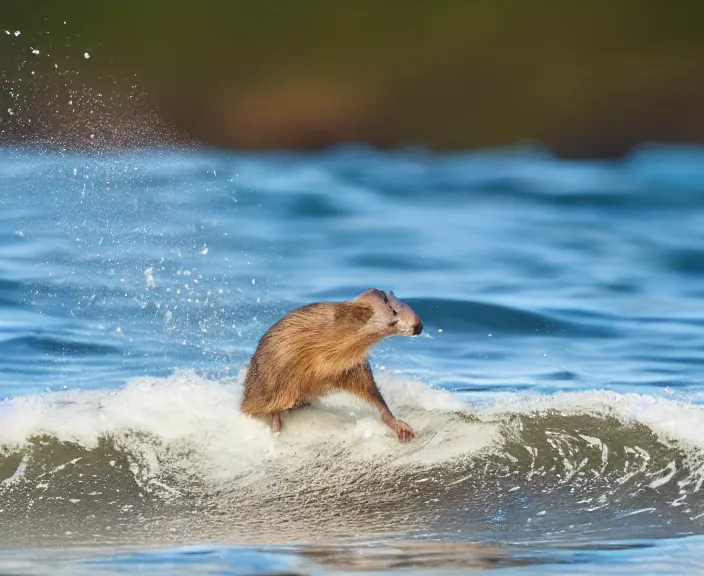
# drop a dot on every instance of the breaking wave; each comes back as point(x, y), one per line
point(174, 456)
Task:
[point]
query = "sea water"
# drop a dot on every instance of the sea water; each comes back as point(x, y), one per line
point(556, 390)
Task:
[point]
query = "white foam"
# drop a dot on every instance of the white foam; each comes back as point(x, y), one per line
point(670, 419)
point(189, 423)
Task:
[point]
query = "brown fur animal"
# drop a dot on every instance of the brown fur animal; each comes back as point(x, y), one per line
point(322, 348)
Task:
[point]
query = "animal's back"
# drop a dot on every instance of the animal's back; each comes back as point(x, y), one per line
point(287, 367)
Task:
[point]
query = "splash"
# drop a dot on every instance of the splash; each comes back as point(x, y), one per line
point(63, 101)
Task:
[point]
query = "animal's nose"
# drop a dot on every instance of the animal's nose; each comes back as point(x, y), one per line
point(418, 328)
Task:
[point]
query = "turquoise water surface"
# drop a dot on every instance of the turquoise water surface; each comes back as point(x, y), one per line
point(556, 390)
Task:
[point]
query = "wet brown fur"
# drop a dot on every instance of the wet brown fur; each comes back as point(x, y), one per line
point(318, 349)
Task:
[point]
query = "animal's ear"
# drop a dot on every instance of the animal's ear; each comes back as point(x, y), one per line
point(354, 314)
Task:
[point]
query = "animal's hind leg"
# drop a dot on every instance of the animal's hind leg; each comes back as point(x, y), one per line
point(276, 423)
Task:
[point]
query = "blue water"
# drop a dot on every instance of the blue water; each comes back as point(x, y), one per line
point(556, 390)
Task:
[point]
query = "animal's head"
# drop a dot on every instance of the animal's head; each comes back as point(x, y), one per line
point(390, 315)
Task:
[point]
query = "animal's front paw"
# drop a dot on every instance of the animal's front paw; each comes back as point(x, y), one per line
point(403, 431)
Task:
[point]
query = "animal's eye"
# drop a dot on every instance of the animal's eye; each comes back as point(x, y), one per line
point(385, 297)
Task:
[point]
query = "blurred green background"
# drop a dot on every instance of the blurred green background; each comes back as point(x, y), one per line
point(586, 78)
